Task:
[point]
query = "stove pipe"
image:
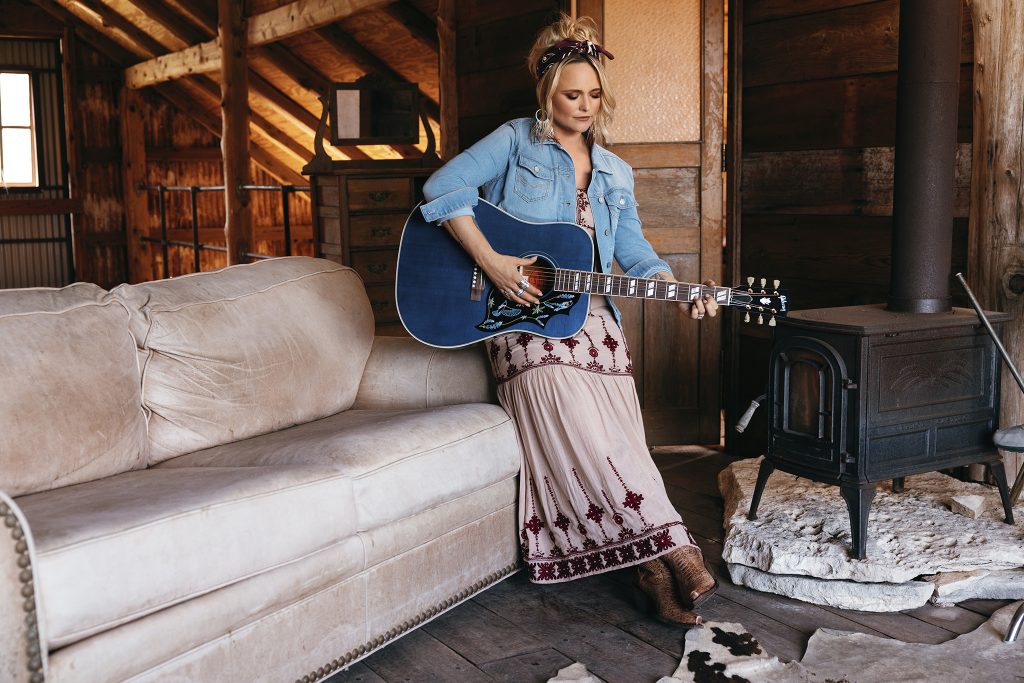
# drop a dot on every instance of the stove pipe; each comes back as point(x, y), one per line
point(926, 120)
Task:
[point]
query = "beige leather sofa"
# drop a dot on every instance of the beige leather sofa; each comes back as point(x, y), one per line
point(226, 477)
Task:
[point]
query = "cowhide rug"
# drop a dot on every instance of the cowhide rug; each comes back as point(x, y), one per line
point(724, 652)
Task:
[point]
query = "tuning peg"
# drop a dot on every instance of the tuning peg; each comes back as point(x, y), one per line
point(775, 284)
point(760, 319)
point(771, 321)
point(763, 282)
point(746, 317)
point(750, 281)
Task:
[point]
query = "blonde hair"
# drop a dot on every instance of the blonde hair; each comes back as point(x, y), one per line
point(582, 29)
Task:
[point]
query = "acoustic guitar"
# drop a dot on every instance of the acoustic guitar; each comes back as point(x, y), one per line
point(445, 300)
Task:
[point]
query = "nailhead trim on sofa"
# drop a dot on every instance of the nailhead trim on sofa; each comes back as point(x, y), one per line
point(33, 648)
point(340, 663)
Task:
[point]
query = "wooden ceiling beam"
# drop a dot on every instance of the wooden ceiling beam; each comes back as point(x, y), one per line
point(114, 20)
point(177, 25)
point(99, 41)
point(294, 68)
point(419, 24)
point(199, 12)
point(277, 24)
point(366, 60)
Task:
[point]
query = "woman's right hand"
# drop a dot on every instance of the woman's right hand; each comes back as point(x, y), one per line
point(506, 273)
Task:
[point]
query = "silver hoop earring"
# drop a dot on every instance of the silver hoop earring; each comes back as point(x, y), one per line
point(541, 116)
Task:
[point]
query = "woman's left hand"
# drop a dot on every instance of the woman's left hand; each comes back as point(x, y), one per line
point(700, 307)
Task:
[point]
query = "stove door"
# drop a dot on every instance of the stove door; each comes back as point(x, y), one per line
point(807, 408)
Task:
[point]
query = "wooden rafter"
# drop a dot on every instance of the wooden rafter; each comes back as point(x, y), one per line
point(183, 99)
point(268, 27)
point(419, 24)
point(180, 27)
point(340, 40)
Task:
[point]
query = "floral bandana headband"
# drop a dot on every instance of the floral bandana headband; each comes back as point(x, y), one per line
point(564, 49)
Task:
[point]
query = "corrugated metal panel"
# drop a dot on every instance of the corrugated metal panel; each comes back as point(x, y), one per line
point(34, 250)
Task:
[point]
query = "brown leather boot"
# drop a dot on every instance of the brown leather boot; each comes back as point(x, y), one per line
point(693, 580)
point(655, 580)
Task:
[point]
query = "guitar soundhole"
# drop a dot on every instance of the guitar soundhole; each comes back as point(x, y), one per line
point(503, 313)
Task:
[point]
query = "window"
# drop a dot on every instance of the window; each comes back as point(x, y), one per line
point(17, 131)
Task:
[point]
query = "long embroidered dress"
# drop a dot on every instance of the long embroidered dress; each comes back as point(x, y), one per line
point(590, 498)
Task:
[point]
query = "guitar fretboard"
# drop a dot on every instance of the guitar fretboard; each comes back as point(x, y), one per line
point(637, 288)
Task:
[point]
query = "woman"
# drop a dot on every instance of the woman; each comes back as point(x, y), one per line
point(590, 498)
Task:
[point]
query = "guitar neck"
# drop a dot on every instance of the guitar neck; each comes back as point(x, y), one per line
point(637, 288)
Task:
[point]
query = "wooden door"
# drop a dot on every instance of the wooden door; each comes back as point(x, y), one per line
point(668, 74)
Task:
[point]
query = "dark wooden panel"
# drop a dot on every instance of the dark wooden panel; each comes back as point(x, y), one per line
point(476, 12)
point(493, 45)
point(768, 10)
point(834, 182)
point(858, 111)
point(517, 88)
point(859, 39)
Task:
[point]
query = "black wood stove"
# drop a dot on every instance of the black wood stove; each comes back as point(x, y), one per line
point(859, 395)
point(863, 394)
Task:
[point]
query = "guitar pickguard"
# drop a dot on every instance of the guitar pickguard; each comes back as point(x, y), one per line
point(502, 313)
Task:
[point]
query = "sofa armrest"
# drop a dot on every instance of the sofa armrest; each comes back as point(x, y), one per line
point(22, 654)
point(404, 373)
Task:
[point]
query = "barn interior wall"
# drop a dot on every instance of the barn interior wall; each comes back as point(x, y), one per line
point(818, 122)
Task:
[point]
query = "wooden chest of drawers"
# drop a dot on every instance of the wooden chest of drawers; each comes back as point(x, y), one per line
point(358, 216)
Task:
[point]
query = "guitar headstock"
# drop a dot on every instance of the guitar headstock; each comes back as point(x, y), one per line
point(766, 303)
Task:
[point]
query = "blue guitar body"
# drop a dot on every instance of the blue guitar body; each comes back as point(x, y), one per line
point(444, 300)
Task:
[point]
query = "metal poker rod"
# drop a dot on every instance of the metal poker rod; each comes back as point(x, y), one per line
point(991, 332)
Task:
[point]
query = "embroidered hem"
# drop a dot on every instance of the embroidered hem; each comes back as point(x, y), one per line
point(575, 366)
point(609, 557)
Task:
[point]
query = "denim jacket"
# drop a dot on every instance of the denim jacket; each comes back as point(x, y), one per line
point(536, 181)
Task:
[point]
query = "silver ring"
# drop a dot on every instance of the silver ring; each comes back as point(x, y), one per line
point(700, 316)
point(507, 293)
point(521, 290)
point(524, 283)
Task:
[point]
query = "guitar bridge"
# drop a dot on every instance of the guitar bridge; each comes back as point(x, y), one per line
point(476, 285)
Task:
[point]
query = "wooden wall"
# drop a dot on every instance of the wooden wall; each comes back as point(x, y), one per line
point(493, 38)
point(817, 116)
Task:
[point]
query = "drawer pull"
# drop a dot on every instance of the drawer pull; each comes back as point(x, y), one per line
point(377, 268)
point(380, 232)
point(380, 195)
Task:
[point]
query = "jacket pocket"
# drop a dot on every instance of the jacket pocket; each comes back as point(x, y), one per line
point(618, 200)
point(534, 182)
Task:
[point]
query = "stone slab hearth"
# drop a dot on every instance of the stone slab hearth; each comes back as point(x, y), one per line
point(799, 545)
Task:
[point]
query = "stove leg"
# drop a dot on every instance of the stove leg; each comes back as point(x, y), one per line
point(998, 471)
point(897, 484)
point(858, 501)
point(763, 473)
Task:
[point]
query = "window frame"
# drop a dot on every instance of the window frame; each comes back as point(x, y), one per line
point(33, 129)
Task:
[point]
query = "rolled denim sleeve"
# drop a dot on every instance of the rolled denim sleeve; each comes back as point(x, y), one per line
point(453, 190)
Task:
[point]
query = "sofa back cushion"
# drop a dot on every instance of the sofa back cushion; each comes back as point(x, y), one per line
point(247, 350)
point(70, 401)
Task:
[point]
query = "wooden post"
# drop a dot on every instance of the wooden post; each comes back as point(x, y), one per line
point(234, 89)
point(447, 79)
point(996, 238)
point(133, 174)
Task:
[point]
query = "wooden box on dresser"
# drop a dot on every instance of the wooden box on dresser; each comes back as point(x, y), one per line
point(359, 213)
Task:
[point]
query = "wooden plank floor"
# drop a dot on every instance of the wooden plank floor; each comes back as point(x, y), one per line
point(519, 632)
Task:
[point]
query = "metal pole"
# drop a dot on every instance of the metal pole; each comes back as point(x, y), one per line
point(992, 332)
point(163, 231)
point(285, 189)
point(194, 193)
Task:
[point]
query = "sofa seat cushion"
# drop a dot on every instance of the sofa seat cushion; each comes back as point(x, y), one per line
point(401, 461)
point(247, 350)
point(70, 397)
point(112, 550)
